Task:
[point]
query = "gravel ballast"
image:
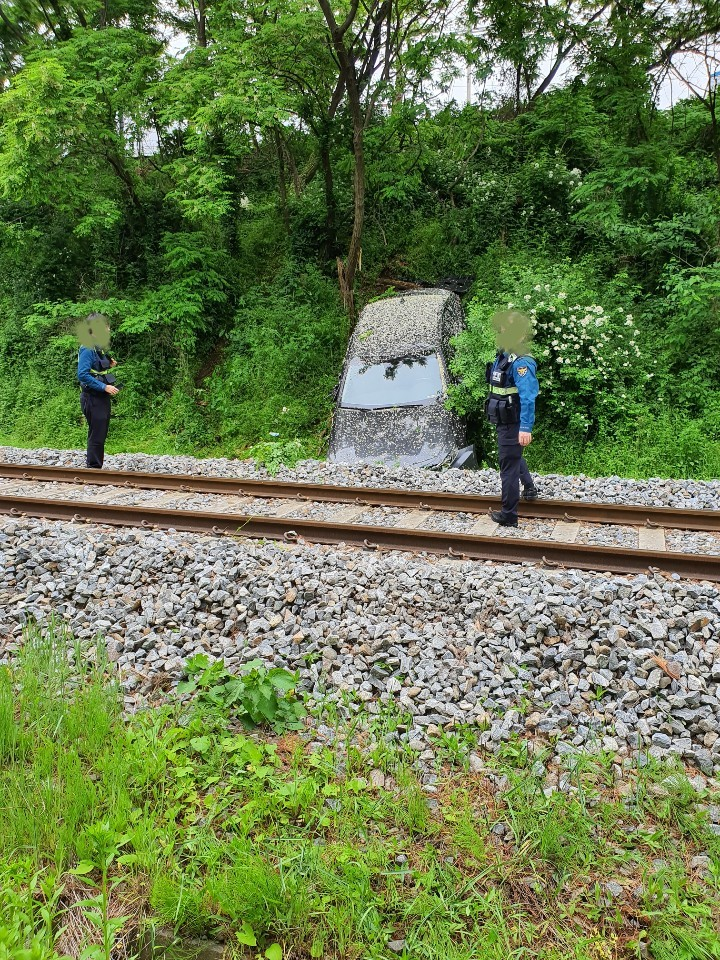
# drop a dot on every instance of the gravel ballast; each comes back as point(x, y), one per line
point(574, 658)
point(577, 659)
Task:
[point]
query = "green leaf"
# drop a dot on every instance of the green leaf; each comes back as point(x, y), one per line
point(282, 679)
point(255, 665)
point(246, 935)
point(82, 869)
point(197, 664)
point(274, 952)
point(201, 744)
point(128, 859)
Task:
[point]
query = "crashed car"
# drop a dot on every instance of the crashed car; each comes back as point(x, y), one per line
point(391, 396)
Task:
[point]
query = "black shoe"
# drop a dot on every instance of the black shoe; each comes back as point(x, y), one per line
point(503, 520)
point(530, 493)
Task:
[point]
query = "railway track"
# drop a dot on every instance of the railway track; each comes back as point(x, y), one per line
point(265, 508)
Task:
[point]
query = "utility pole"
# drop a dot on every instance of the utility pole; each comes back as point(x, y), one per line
point(468, 98)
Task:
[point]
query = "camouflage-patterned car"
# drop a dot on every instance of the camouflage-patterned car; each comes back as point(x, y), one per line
point(393, 390)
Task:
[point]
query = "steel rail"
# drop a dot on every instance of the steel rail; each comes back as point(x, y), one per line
point(568, 510)
point(465, 546)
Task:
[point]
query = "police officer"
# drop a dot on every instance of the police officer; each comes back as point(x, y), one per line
point(510, 406)
point(97, 385)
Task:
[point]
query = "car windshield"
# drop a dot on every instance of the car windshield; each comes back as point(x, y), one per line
point(404, 382)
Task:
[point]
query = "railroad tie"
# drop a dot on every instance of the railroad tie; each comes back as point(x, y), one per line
point(170, 497)
point(565, 532)
point(651, 538)
point(346, 515)
point(11, 488)
point(285, 508)
point(107, 496)
point(484, 527)
point(414, 519)
point(238, 504)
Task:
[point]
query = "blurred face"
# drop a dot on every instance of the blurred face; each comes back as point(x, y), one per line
point(513, 331)
point(93, 331)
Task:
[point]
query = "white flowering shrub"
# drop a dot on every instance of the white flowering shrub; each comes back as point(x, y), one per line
point(518, 195)
point(586, 343)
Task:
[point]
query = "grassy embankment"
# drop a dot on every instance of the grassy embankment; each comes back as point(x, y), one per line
point(179, 817)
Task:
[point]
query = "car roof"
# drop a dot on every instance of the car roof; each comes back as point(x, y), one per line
point(395, 326)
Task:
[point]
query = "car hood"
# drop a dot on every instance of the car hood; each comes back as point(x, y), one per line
point(422, 436)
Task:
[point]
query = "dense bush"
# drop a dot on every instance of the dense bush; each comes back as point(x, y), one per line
point(281, 362)
point(597, 369)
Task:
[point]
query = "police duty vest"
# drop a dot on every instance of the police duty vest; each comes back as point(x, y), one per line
point(104, 362)
point(502, 406)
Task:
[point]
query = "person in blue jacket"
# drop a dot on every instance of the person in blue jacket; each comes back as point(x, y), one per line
point(510, 406)
point(97, 385)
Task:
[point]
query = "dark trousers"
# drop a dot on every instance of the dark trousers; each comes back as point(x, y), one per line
point(96, 409)
point(513, 469)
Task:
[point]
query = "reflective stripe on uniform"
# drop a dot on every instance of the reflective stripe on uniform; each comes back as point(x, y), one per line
point(503, 391)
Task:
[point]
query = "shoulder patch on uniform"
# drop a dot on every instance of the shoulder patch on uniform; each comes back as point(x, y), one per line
point(521, 371)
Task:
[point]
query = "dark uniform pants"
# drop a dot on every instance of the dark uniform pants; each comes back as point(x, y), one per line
point(96, 409)
point(513, 468)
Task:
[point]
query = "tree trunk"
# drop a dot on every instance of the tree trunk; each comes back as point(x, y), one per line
point(712, 107)
point(201, 23)
point(292, 166)
point(347, 57)
point(347, 274)
point(282, 187)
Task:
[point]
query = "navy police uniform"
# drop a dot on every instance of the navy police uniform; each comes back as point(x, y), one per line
point(93, 367)
point(510, 406)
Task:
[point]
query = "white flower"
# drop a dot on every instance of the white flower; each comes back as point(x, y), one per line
point(537, 287)
point(555, 343)
point(551, 308)
point(562, 296)
point(628, 322)
point(629, 317)
point(547, 286)
point(526, 297)
point(510, 306)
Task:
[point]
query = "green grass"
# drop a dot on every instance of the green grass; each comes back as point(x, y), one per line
point(180, 818)
point(657, 445)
